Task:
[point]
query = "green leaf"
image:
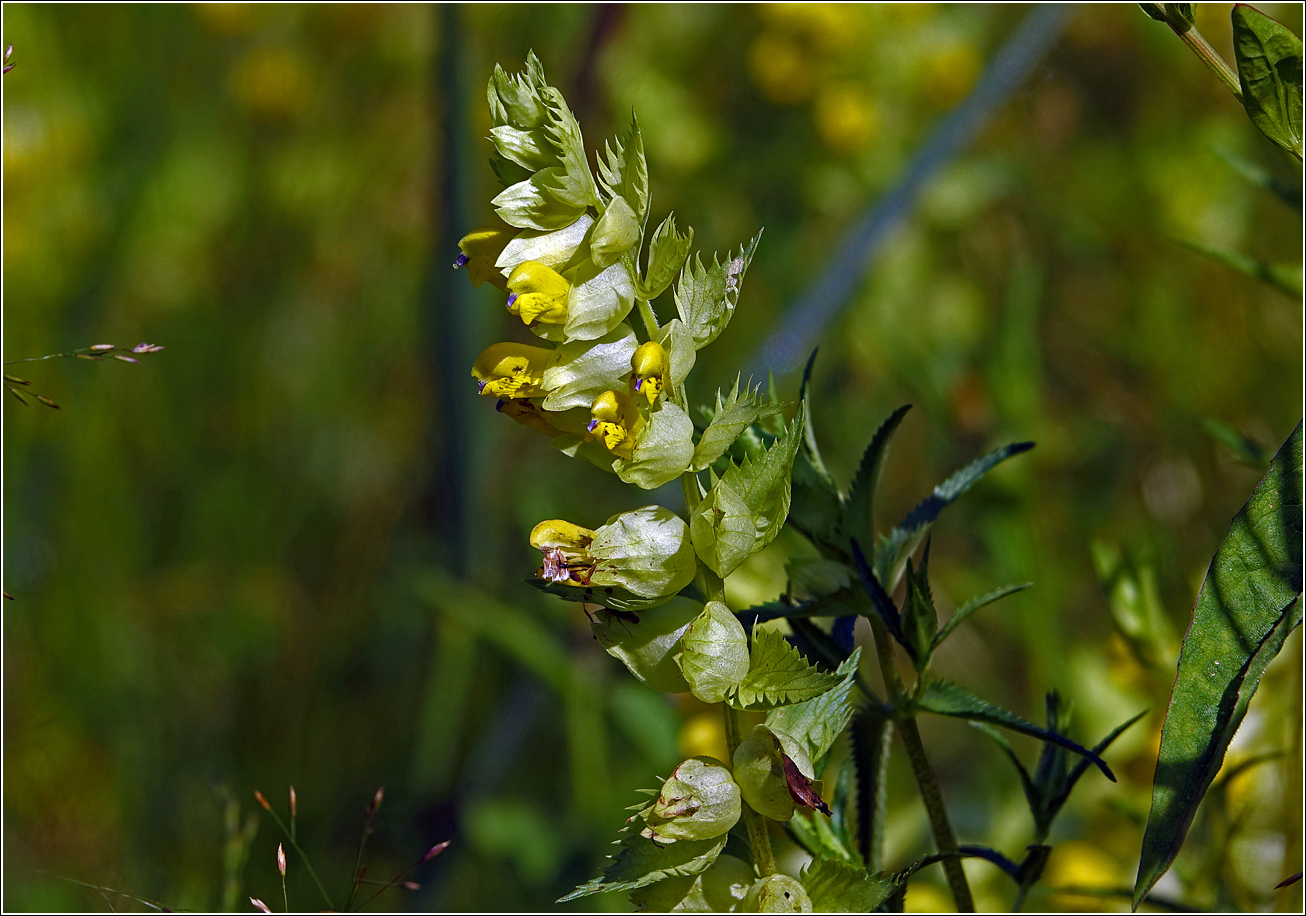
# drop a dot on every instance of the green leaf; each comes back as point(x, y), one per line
point(515, 100)
point(836, 604)
point(706, 297)
point(1269, 58)
point(666, 256)
point(676, 340)
point(869, 740)
point(857, 523)
point(778, 675)
point(813, 831)
point(623, 173)
point(1100, 748)
point(903, 540)
point(747, 507)
point(663, 451)
point(729, 419)
point(641, 862)
point(616, 232)
point(714, 653)
point(618, 599)
point(837, 887)
point(1032, 798)
point(581, 370)
point(535, 203)
point(1246, 608)
point(1246, 449)
point(561, 126)
point(818, 722)
point(1286, 278)
point(920, 620)
point(531, 149)
point(720, 889)
point(817, 503)
point(599, 300)
point(816, 576)
point(973, 605)
point(947, 699)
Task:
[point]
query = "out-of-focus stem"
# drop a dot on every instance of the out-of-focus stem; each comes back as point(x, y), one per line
point(1217, 64)
point(944, 838)
point(758, 838)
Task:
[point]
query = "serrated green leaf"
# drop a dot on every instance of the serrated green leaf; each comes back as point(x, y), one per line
point(561, 126)
point(666, 257)
point(837, 887)
point(663, 451)
point(642, 862)
point(1269, 58)
point(947, 699)
point(813, 831)
point(599, 300)
point(869, 740)
point(778, 675)
point(903, 540)
point(714, 653)
point(531, 149)
point(1248, 604)
point(818, 722)
point(729, 419)
point(535, 203)
point(508, 173)
point(515, 100)
point(623, 172)
point(706, 296)
point(817, 503)
point(1286, 278)
point(973, 605)
point(857, 522)
point(920, 620)
point(581, 370)
point(747, 507)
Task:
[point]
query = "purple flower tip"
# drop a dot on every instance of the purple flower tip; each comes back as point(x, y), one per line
point(593, 423)
point(480, 386)
point(499, 406)
point(511, 300)
point(638, 382)
point(461, 262)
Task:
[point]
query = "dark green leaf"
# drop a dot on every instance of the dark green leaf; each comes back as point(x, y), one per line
point(973, 605)
point(817, 503)
point(1100, 748)
point(880, 600)
point(1027, 784)
point(1246, 608)
point(920, 621)
point(1269, 58)
point(903, 540)
point(858, 523)
point(836, 604)
point(869, 737)
point(947, 699)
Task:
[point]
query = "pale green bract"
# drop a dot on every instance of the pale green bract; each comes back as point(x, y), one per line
point(714, 653)
point(706, 296)
point(733, 415)
point(599, 300)
point(581, 370)
point(553, 249)
point(647, 552)
point(663, 450)
point(648, 646)
point(666, 256)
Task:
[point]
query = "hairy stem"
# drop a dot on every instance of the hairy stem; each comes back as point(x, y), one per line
point(944, 838)
point(758, 838)
point(1212, 59)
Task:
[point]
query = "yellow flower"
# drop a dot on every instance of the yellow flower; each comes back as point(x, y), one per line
point(649, 366)
point(616, 422)
point(539, 294)
point(528, 414)
point(565, 547)
point(480, 249)
point(511, 370)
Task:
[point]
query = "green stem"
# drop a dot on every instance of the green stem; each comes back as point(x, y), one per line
point(307, 864)
point(758, 838)
point(650, 320)
point(944, 838)
point(1211, 58)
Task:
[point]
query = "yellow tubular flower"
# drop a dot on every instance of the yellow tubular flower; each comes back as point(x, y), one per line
point(649, 367)
point(539, 294)
point(616, 422)
point(528, 414)
point(565, 547)
point(480, 249)
point(511, 370)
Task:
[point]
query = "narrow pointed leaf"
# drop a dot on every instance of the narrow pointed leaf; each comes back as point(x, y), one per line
point(947, 699)
point(870, 735)
point(1100, 748)
point(973, 605)
point(857, 523)
point(903, 540)
point(1247, 606)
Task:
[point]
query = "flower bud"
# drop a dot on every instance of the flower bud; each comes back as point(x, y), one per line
point(645, 552)
point(649, 367)
point(511, 370)
point(698, 801)
point(777, 894)
point(765, 765)
point(480, 248)
point(616, 422)
point(539, 294)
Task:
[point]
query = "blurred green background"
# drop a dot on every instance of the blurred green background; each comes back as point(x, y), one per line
point(288, 548)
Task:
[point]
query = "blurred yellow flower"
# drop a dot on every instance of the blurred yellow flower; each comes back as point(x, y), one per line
point(846, 116)
point(949, 73)
point(272, 82)
point(704, 735)
point(826, 25)
point(781, 68)
point(1080, 864)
